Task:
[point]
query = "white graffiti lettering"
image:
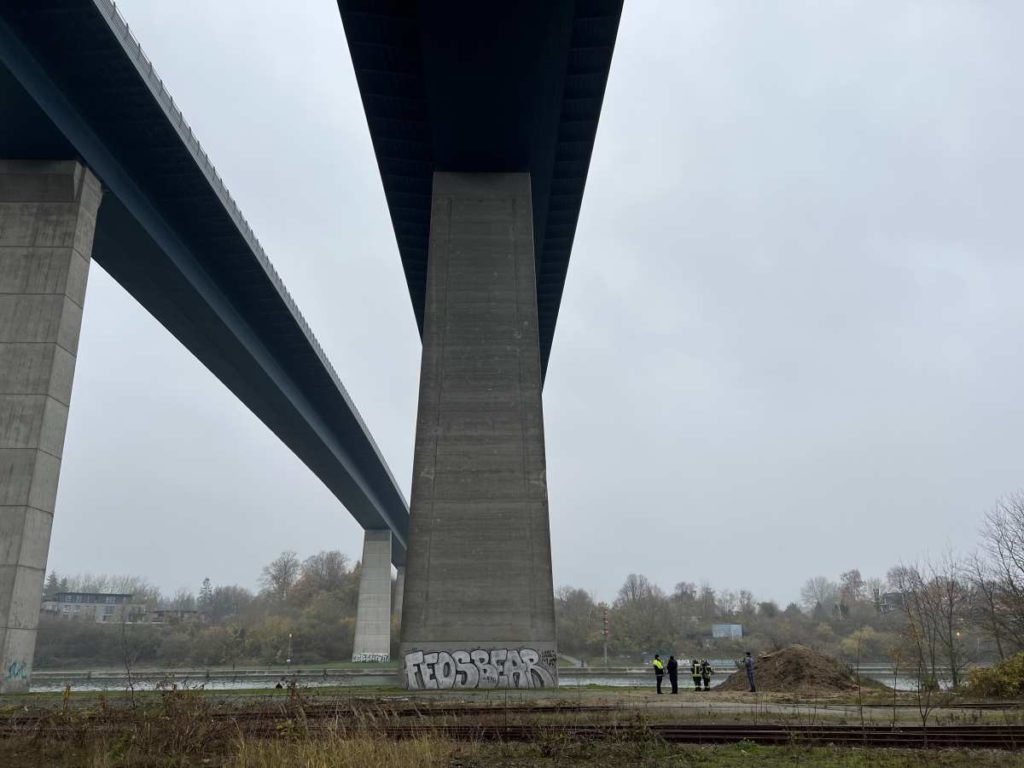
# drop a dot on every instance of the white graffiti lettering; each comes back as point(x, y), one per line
point(363, 658)
point(479, 668)
point(467, 675)
point(444, 671)
point(412, 663)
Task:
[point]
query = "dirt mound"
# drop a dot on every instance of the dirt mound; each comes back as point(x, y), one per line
point(794, 669)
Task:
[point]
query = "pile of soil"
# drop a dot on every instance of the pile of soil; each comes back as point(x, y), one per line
point(794, 669)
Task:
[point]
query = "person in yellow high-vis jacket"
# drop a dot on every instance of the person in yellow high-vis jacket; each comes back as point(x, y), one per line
point(659, 670)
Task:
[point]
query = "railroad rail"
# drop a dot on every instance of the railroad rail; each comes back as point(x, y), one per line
point(408, 722)
point(907, 737)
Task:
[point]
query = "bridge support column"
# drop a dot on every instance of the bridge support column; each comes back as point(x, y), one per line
point(478, 604)
point(373, 614)
point(399, 594)
point(47, 218)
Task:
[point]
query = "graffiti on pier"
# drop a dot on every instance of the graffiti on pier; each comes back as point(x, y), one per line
point(16, 670)
point(368, 657)
point(494, 668)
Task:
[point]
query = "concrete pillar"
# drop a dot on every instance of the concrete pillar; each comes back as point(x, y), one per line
point(47, 218)
point(399, 591)
point(478, 604)
point(373, 614)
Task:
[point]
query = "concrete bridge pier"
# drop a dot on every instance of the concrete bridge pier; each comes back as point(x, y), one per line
point(399, 594)
point(478, 604)
point(47, 219)
point(373, 614)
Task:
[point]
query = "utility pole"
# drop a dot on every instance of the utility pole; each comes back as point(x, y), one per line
point(606, 638)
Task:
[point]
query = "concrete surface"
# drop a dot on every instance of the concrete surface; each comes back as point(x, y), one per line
point(373, 613)
point(478, 605)
point(47, 219)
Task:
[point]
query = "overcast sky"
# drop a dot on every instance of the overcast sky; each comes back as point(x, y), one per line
point(789, 341)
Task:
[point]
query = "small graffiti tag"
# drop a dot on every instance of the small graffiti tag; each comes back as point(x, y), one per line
point(367, 657)
point(495, 668)
point(16, 670)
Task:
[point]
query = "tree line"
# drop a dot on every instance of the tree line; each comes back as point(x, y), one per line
point(932, 618)
point(305, 608)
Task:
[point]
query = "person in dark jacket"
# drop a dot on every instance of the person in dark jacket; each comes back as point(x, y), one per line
point(748, 662)
point(695, 673)
point(673, 673)
point(659, 670)
point(705, 672)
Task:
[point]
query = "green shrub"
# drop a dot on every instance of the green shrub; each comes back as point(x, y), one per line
point(1005, 679)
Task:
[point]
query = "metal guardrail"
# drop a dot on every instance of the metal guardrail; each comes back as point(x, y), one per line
point(131, 45)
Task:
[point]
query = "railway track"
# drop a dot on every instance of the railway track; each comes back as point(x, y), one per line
point(962, 737)
point(270, 725)
point(974, 736)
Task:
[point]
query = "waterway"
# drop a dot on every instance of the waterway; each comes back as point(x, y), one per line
point(372, 676)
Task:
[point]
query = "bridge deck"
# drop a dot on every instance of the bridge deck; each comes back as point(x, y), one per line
point(74, 83)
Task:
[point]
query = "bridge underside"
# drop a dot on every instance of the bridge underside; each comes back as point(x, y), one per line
point(74, 85)
point(491, 87)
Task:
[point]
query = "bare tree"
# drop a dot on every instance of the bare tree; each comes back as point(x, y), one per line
point(819, 591)
point(228, 601)
point(851, 586)
point(636, 587)
point(279, 576)
point(747, 606)
point(706, 601)
point(686, 591)
point(640, 611)
point(920, 632)
point(182, 600)
point(935, 601)
point(1002, 538)
point(986, 602)
point(580, 621)
point(949, 598)
point(326, 571)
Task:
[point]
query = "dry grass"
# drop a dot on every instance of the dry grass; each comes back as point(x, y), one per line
point(184, 728)
point(364, 751)
point(335, 751)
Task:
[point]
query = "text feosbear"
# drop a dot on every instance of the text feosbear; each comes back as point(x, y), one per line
point(496, 668)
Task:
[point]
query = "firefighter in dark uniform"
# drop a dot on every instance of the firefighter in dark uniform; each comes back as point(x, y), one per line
point(695, 673)
point(705, 672)
point(673, 673)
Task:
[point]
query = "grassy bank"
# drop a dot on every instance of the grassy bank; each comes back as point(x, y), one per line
point(187, 728)
point(370, 752)
point(430, 753)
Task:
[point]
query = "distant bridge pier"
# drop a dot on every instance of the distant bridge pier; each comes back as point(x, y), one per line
point(373, 614)
point(396, 608)
point(478, 604)
point(47, 219)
